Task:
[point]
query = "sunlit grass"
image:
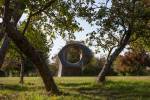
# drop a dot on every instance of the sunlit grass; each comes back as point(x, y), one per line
point(77, 88)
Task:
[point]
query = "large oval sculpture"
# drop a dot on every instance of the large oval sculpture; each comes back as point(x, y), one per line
point(67, 68)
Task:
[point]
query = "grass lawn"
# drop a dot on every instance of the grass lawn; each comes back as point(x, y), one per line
point(77, 88)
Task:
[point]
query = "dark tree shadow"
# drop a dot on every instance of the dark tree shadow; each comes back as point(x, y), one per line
point(13, 87)
point(111, 90)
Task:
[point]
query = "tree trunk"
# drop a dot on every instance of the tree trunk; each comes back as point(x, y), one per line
point(1, 31)
point(35, 56)
point(107, 66)
point(15, 15)
point(3, 49)
point(23, 44)
point(22, 69)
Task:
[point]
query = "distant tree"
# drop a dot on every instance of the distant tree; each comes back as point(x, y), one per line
point(92, 68)
point(132, 63)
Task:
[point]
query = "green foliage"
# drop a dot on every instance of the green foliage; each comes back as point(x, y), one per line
point(58, 18)
point(37, 38)
point(114, 21)
point(92, 68)
point(132, 63)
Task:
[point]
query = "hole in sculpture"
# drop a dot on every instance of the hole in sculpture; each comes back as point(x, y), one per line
point(73, 54)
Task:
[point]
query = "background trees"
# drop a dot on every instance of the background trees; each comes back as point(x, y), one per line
point(132, 63)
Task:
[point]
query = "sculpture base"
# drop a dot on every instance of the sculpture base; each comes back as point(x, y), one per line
point(70, 71)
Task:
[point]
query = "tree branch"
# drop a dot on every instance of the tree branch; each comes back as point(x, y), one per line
point(6, 11)
point(6, 18)
point(107, 2)
point(44, 8)
point(27, 24)
point(36, 13)
point(3, 49)
point(1, 32)
point(122, 38)
point(123, 24)
point(115, 38)
point(110, 51)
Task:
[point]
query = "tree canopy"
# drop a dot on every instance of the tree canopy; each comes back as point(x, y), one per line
point(119, 25)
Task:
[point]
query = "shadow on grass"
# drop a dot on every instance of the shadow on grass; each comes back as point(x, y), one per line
point(13, 87)
point(112, 89)
point(74, 85)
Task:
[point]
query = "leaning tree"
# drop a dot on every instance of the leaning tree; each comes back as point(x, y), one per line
point(49, 16)
point(37, 39)
point(118, 25)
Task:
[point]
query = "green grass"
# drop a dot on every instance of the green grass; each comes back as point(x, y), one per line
point(77, 88)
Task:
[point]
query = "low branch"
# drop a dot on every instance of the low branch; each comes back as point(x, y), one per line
point(110, 51)
point(122, 38)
